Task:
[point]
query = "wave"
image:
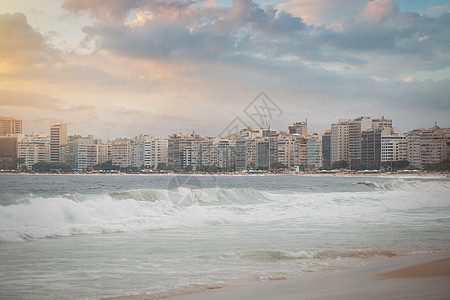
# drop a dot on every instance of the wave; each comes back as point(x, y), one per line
point(407, 185)
point(286, 255)
point(155, 209)
point(318, 254)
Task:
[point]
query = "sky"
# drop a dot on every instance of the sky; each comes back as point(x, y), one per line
point(121, 68)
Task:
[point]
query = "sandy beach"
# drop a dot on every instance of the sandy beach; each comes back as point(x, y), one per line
point(424, 276)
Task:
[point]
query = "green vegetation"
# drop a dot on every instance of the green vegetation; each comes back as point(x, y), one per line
point(51, 167)
point(107, 166)
point(16, 164)
point(208, 169)
point(277, 165)
point(395, 165)
point(161, 166)
point(340, 164)
point(443, 165)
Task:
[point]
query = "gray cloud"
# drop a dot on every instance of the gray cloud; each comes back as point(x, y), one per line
point(188, 30)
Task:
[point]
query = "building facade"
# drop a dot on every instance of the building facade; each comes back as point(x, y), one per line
point(58, 142)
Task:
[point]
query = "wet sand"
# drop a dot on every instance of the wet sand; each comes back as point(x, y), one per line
point(425, 276)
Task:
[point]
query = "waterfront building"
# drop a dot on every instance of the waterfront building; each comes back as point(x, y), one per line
point(120, 152)
point(33, 149)
point(58, 142)
point(137, 146)
point(314, 151)
point(84, 152)
point(179, 155)
point(300, 128)
point(394, 146)
point(103, 153)
point(326, 148)
point(339, 140)
point(8, 146)
point(426, 146)
point(10, 125)
point(155, 152)
point(371, 148)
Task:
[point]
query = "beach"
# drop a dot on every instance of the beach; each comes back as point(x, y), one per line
point(138, 237)
point(425, 276)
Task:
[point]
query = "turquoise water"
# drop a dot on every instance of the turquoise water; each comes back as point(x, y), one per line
point(87, 237)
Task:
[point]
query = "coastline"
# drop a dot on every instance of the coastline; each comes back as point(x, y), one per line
point(343, 174)
point(419, 276)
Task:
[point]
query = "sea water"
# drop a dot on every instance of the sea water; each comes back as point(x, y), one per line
point(96, 236)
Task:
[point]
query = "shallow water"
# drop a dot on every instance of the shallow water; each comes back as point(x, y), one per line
point(86, 237)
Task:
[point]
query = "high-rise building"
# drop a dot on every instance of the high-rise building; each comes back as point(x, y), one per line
point(179, 154)
point(339, 140)
point(8, 146)
point(120, 152)
point(300, 128)
point(394, 147)
point(10, 125)
point(155, 152)
point(34, 148)
point(58, 142)
point(137, 148)
point(427, 146)
point(346, 137)
point(356, 126)
point(314, 148)
point(371, 148)
point(326, 148)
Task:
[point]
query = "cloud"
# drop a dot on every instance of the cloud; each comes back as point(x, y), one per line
point(21, 46)
point(25, 100)
point(322, 12)
point(377, 10)
point(248, 32)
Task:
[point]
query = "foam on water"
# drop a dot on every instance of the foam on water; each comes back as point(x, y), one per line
point(153, 209)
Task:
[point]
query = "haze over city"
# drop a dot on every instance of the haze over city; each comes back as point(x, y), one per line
point(123, 68)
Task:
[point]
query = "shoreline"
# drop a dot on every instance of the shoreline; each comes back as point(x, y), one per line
point(419, 276)
point(343, 174)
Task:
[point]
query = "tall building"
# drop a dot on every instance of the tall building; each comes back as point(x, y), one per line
point(179, 153)
point(8, 146)
point(10, 125)
point(371, 148)
point(58, 142)
point(314, 148)
point(356, 127)
point(326, 148)
point(137, 147)
point(300, 128)
point(427, 146)
point(120, 152)
point(394, 147)
point(346, 137)
point(339, 140)
point(34, 148)
point(103, 153)
point(155, 152)
point(84, 152)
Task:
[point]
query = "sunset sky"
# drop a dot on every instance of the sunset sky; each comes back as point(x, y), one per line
point(117, 68)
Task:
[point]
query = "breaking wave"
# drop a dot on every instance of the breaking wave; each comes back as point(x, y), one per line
point(154, 209)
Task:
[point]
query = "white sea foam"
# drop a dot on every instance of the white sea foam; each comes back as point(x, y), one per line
point(153, 209)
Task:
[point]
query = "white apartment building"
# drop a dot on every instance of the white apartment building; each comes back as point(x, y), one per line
point(339, 140)
point(394, 147)
point(155, 151)
point(120, 152)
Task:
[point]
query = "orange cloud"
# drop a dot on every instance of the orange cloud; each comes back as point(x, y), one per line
point(21, 46)
point(376, 10)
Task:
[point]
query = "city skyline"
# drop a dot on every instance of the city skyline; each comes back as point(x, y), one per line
point(128, 67)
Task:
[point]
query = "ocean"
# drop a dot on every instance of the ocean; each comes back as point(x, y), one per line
point(100, 236)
